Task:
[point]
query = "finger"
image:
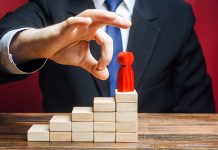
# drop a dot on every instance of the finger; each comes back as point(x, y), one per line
point(76, 21)
point(106, 43)
point(89, 63)
point(105, 17)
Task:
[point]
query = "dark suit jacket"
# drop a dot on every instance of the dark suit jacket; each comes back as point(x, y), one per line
point(170, 73)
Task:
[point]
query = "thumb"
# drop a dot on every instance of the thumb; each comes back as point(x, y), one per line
point(90, 64)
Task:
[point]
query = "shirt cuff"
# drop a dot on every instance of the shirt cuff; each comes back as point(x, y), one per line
point(6, 58)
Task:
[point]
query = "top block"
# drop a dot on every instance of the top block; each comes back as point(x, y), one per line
point(38, 132)
point(60, 123)
point(82, 114)
point(122, 97)
point(104, 104)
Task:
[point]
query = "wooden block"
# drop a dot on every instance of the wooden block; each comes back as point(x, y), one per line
point(104, 136)
point(60, 123)
point(126, 137)
point(126, 117)
point(38, 132)
point(104, 126)
point(60, 136)
point(82, 114)
point(126, 107)
point(82, 126)
point(82, 136)
point(122, 97)
point(126, 127)
point(104, 116)
point(104, 104)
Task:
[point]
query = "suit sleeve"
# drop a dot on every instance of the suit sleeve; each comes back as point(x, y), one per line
point(192, 85)
point(31, 15)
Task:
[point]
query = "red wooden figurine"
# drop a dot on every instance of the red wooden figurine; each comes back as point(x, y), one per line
point(125, 74)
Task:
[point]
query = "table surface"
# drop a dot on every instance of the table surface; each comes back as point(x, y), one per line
point(164, 131)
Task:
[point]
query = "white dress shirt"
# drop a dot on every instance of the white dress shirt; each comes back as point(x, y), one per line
point(125, 10)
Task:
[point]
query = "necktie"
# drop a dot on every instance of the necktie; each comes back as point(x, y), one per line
point(115, 34)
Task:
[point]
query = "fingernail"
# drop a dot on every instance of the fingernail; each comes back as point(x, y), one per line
point(100, 67)
point(89, 19)
point(99, 64)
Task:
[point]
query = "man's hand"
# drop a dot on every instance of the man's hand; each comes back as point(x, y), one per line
point(68, 42)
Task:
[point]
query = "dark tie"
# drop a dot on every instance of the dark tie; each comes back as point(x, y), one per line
point(115, 34)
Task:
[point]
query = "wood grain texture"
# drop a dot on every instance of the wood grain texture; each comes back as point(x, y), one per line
point(14, 127)
point(38, 132)
point(82, 136)
point(123, 127)
point(104, 116)
point(60, 123)
point(104, 137)
point(82, 114)
point(104, 126)
point(82, 126)
point(60, 136)
point(126, 117)
point(104, 104)
point(123, 97)
point(126, 107)
point(126, 137)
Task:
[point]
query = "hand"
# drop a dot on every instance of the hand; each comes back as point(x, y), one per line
point(68, 42)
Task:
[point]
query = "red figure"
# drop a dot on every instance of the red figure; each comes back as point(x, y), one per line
point(125, 74)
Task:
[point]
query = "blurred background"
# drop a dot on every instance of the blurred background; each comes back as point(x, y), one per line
point(25, 96)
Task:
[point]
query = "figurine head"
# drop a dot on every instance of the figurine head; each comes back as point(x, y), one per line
point(125, 58)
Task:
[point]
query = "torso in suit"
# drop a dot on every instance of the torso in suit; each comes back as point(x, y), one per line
point(170, 73)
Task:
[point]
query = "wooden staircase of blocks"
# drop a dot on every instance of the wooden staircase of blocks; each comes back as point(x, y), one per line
point(110, 120)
